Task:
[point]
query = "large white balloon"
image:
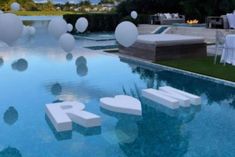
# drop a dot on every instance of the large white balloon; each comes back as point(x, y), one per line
point(81, 24)
point(15, 6)
point(11, 28)
point(67, 42)
point(126, 33)
point(69, 27)
point(57, 27)
point(1, 12)
point(134, 14)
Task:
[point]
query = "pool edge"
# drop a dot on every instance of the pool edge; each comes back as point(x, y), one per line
point(155, 65)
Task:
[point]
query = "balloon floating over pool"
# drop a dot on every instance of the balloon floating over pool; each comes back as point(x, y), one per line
point(32, 30)
point(69, 56)
point(10, 116)
point(20, 65)
point(57, 27)
point(134, 14)
point(15, 6)
point(81, 24)
point(81, 64)
point(10, 152)
point(126, 131)
point(56, 89)
point(67, 42)
point(126, 33)
point(11, 28)
point(69, 27)
point(80, 60)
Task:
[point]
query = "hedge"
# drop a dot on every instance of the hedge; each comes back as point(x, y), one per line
point(97, 22)
point(104, 22)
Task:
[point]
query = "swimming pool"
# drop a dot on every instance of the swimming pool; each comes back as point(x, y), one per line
point(52, 76)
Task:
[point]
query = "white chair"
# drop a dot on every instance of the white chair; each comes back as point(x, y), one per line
point(228, 55)
point(231, 20)
point(220, 41)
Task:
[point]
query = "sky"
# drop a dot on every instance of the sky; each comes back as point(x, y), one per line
point(64, 1)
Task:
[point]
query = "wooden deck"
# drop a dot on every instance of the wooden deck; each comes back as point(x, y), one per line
point(155, 53)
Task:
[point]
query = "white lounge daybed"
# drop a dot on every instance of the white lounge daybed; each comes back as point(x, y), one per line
point(166, 46)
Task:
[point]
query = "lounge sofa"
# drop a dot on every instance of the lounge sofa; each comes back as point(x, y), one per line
point(156, 47)
point(229, 21)
point(167, 18)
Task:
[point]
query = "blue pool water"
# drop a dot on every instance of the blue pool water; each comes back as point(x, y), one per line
point(51, 76)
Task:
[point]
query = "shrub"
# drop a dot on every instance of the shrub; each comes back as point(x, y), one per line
point(97, 22)
point(128, 18)
point(143, 19)
point(105, 22)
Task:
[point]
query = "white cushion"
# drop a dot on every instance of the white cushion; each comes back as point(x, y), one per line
point(175, 15)
point(169, 39)
point(231, 20)
point(168, 16)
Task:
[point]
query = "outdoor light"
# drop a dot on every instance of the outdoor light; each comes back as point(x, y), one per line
point(57, 27)
point(70, 27)
point(81, 24)
point(15, 6)
point(67, 42)
point(134, 14)
point(11, 28)
point(126, 33)
point(32, 30)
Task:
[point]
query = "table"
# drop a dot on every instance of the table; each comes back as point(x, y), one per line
point(154, 19)
point(228, 55)
point(214, 22)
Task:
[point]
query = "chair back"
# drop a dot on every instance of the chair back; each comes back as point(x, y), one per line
point(220, 38)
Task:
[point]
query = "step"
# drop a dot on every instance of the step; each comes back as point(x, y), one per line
point(160, 98)
point(194, 99)
point(183, 100)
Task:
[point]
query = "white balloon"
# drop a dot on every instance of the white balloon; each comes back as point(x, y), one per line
point(69, 27)
point(15, 6)
point(134, 14)
point(1, 12)
point(67, 42)
point(126, 33)
point(32, 30)
point(57, 27)
point(11, 28)
point(81, 24)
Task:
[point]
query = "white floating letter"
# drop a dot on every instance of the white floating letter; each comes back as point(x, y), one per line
point(122, 104)
point(63, 114)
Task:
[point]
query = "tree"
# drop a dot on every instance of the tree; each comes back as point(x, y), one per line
point(85, 3)
point(25, 4)
point(107, 1)
point(191, 8)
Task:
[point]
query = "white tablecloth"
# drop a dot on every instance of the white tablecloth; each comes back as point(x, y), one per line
point(228, 55)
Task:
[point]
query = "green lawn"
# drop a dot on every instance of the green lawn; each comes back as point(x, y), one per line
point(203, 66)
point(41, 13)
